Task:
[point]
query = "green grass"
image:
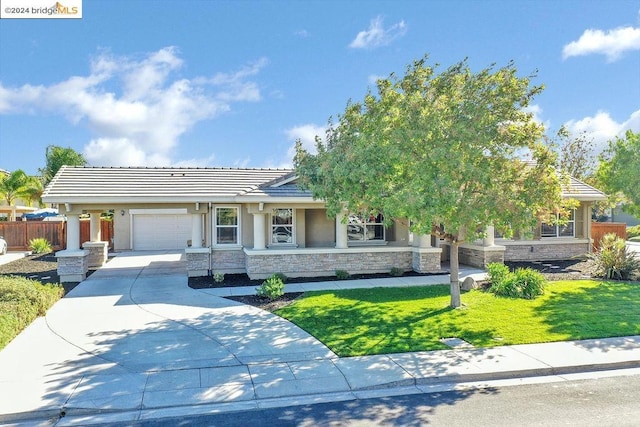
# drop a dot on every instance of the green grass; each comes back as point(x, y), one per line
point(21, 301)
point(391, 320)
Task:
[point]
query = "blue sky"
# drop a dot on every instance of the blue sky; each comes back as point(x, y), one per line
point(235, 83)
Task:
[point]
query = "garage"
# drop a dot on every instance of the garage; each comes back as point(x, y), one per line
point(160, 231)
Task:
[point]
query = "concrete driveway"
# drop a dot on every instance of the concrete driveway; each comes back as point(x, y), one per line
point(133, 323)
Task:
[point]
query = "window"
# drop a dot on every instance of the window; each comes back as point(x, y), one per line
point(365, 228)
point(282, 226)
point(557, 230)
point(227, 226)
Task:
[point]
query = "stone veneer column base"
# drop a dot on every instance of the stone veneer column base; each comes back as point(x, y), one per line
point(72, 265)
point(197, 261)
point(427, 260)
point(97, 253)
point(480, 256)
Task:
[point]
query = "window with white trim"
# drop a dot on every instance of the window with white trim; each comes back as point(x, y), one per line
point(227, 226)
point(282, 226)
point(365, 228)
point(560, 230)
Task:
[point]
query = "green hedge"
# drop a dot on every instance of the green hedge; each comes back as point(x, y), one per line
point(21, 301)
point(633, 231)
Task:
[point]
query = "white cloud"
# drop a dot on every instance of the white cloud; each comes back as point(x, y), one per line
point(377, 35)
point(307, 135)
point(196, 163)
point(602, 128)
point(143, 122)
point(612, 43)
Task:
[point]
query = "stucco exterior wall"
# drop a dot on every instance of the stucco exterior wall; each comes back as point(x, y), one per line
point(320, 231)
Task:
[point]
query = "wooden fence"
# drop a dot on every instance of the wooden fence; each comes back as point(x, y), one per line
point(19, 233)
point(599, 229)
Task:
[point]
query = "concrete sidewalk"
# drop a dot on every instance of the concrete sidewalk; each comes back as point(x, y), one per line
point(133, 342)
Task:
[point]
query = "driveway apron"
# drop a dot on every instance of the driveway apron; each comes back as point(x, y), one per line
point(135, 325)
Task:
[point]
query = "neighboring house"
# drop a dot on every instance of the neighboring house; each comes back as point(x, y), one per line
point(259, 221)
point(618, 215)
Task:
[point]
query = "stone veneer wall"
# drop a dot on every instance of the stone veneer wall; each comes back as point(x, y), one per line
point(72, 265)
point(197, 261)
point(545, 252)
point(426, 261)
point(228, 261)
point(480, 256)
point(98, 252)
point(261, 264)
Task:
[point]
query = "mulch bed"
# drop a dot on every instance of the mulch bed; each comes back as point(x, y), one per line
point(235, 280)
point(265, 303)
point(558, 270)
point(40, 267)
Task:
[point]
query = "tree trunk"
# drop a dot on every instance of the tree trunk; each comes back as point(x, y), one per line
point(455, 269)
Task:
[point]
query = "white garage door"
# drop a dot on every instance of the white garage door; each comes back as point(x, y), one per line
point(156, 232)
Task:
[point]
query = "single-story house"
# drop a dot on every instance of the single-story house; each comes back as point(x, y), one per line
point(259, 222)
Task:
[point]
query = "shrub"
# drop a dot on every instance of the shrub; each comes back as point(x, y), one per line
point(281, 276)
point(40, 246)
point(523, 283)
point(497, 272)
point(529, 282)
point(342, 274)
point(21, 301)
point(507, 287)
point(396, 272)
point(218, 277)
point(633, 231)
point(272, 288)
point(614, 261)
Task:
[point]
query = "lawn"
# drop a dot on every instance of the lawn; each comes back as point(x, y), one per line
point(391, 320)
point(21, 301)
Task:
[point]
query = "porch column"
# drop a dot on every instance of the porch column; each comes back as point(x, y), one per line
point(196, 230)
point(490, 239)
point(342, 241)
point(259, 230)
point(96, 248)
point(95, 232)
point(425, 241)
point(73, 232)
point(73, 262)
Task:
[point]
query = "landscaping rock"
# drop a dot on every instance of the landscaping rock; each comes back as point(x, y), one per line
point(469, 283)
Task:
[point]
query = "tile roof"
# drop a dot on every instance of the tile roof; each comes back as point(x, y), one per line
point(158, 185)
point(141, 184)
point(580, 191)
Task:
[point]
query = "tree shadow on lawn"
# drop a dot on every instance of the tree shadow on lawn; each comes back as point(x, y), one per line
point(373, 324)
point(609, 309)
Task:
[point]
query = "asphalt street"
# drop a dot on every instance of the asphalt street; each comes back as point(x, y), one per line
point(600, 401)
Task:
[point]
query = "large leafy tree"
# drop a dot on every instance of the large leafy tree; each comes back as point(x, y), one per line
point(576, 154)
point(619, 170)
point(56, 157)
point(441, 149)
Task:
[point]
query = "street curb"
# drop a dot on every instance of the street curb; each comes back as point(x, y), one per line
point(101, 416)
